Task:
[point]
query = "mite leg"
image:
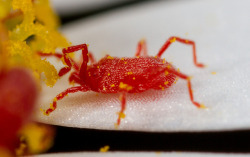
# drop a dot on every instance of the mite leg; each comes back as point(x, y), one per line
point(183, 76)
point(70, 62)
point(181, 40)
point(74, 78)
point(141, 48)
point(92, 58)
point(57, 55)
point(62, 95)
point(121, 114)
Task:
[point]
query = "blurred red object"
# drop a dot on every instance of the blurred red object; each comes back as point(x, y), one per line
point(18, 93)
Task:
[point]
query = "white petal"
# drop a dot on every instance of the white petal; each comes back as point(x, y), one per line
point(221, 31)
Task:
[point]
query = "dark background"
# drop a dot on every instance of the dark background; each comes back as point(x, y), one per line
point(75, 139)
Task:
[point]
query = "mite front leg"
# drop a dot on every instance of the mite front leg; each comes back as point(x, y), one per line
point(60, 96)
point(141, 49)
point(69, 61)
point(183, 76)
point(181, 40)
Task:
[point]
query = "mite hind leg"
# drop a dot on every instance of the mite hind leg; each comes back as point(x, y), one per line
point(183, 76)
point(60, 96)
point(184, 41)
point(141, 49)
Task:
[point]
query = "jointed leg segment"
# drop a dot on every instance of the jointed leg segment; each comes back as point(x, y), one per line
point(141, 48)
point(181, 40)
point(183, 76)
point(62, 95)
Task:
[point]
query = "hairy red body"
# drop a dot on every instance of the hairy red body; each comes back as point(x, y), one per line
point(141, 73)
point(122, 75)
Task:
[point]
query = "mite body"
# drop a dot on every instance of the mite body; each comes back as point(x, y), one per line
point(122, 75)
point(140, 74)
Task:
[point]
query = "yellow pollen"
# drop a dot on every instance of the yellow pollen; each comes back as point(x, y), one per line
point(98, 67)
point(155, 56)
point(55, 99)
point(163, 60)
point(186, 41)
point(125, 86)
point(203, 106)
point(166, 72)
point(173, 40)
point(125, 62)
point(166, 82)
point(121, 115)
point(133, 78)
point(122, 59)
point(137, 56)
point(112, 85)
point(104, 149)
point(130, 73)
point(51, 106)
point(109, 57)
point(168, 66)
point(178, 70)
point(108, 74)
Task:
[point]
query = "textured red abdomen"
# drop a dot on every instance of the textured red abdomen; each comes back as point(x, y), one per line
point(140, 73)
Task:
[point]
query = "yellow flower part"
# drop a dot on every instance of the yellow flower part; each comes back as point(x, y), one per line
point(32, 27)
point(5, 7)
point(35, 138)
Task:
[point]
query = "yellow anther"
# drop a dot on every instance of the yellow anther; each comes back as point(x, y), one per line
point(137, 56)
point(166, 82)
point(178, 70)
point(130, 73)
point(155, 56)
point(112, 85)
point(109, 57)
point(133, 78)
point(122, 59)
point(108, 74)
point(173, 40)
point(168, 66)
point(125, 62)
point(98, 67)
point(104, 149)
point(186, 41)
point(55, 99)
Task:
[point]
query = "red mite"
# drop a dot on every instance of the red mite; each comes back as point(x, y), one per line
point(123, 75)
